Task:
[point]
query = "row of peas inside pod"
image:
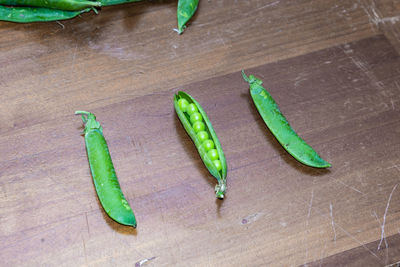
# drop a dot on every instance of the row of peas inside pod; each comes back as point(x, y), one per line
point(198, 126)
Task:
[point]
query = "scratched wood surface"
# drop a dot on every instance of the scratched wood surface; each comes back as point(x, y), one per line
point(332, 66)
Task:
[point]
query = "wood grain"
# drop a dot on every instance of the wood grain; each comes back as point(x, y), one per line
point(132, 50)
point(333, 68)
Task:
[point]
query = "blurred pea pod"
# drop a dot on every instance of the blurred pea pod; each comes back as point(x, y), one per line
point(199, 128)
point(36, 14)
point(116, 2)
point(186, 9)
point(68, 5)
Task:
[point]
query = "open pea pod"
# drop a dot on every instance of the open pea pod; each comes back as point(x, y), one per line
point(201, 132)
point(104, 177)
point(280, 127)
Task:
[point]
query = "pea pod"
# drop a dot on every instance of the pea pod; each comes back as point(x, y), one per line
point(185, 11)
point(116, 2)
point(103, 172)
point(280, 127)
point(36, 14)
point(199, 128)
point(69, 5)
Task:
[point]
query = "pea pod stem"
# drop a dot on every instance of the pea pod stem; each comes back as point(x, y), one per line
point(220, 175)
point(280, 127)
point(103, 173)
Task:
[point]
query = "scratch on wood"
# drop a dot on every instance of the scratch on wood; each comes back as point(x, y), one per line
point(332, 222)
point(87, 224)
point(307, 222)
point(300, 78)
point(310, 205)
point(62, 25)
point(365, 70)
point(251, 218)
point(142, 262)
point(380, 225)
point(348, 186)
point(375, 18)
point(349, 235)
point(358, 241)
point(384, 217)
point(396, 264)
point(268, 5)
point(84, 250)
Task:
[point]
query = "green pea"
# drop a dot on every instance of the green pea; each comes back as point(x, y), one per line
point(280, 127)
point(202, 136)
point(217, 164)
point(103, 172)
point(183, 103)
point(202, 132)
point(191, 108)
point(198, 126)
point(213, 154)
point(208, 144)
point(195, 117)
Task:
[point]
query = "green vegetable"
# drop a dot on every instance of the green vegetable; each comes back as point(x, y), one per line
point(195, 117)
point(200, 132)
point(36, 14)
point(70, 5)
point(116, 2)
point(186, 9)
point(208, 144)
point(198, 126)
point(202, 136)
point(213, 154)
point(191, 108)
point(103, 172)
point(280, 127)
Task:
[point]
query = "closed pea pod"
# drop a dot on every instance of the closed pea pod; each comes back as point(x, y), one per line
point(204, 138)
point(280, 127)
point(36, 14)
point(185, 11)
point(70, 5)
point(117, 2)
point(103, 172)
